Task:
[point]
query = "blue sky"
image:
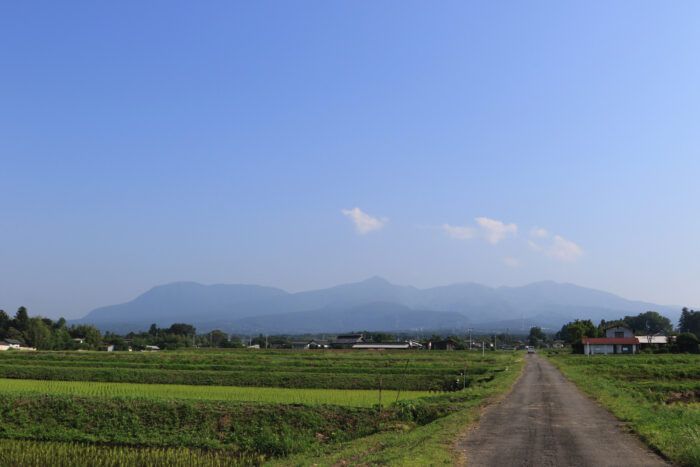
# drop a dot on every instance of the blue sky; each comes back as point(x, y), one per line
point(306, 144)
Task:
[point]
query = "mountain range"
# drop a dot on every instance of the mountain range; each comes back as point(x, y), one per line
point(374, 304)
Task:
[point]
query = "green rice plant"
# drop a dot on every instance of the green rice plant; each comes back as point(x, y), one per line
point(65, 454)
point(356, 398)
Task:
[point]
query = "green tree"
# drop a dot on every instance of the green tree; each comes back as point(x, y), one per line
point(21, 319)
point(14, 333)
point(687, 342)
point(649, 323)
point(182, 329)
point(573, 332)
point(690, 322)
point(217, 338)
point(536, 337)
point(4, 323)
point(39, 334)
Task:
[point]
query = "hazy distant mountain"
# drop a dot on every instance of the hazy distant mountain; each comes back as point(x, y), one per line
point(373, 304)
point(371, 316)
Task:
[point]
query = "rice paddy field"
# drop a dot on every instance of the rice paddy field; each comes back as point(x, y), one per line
point(658, 396)
point(235, 407)
point(347, 397)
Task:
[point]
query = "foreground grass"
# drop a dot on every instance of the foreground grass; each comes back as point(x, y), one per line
point(51, 453)
point(108, 426)
point(657, 395)
point(428, 444)
point(353, 398)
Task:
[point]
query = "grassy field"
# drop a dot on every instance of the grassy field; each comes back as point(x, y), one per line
point(288, 369)
point(345, 397)
point(657, 395)
point(241, 407)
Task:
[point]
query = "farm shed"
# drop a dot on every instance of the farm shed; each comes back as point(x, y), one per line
point(654, 340)
point(609, 345)
point(447, 344)
point(312, 344)
point(388, 345)
point(346, 341)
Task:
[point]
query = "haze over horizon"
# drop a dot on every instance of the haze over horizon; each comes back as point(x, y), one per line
point(307, 146)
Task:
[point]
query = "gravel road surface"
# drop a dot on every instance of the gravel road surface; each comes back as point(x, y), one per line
point(546, 421)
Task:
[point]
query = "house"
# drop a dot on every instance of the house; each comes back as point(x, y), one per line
point(152, 347)
point(407, 345)
point(447, 344)
point(7, 344)
point(312, 344)
point(108, 348)
point(558, 344)
point(618, 339)
point(78, 340)
point(346, 341)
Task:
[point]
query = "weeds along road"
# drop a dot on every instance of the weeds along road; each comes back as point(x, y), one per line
point(546, 421)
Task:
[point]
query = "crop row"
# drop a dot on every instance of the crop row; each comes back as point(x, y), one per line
point(324, 380)
point(354, 398)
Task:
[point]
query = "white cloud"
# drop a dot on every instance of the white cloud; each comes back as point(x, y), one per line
point(496, 230)
point(534, 245)
point(539, 232)
point(564, 250)
point(512, 262)
point(364, 223)
point(458, 232)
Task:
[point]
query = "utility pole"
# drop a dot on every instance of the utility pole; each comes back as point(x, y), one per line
point(470, 338)
point(482, 349)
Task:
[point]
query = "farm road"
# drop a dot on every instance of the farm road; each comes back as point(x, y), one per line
point(546, 421)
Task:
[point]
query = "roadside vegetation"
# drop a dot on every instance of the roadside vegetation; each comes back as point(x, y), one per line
point(658, 396)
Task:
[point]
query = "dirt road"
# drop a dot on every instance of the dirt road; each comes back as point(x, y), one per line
point(547, 421)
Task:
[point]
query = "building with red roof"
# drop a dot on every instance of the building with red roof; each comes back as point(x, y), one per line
point(618, 340)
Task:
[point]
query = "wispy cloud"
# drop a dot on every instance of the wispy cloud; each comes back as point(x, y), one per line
point(539, 232)
point(558, 248)
point(535, 246)
point(459, 232)
point(564, 250)
point(511, 262)
point(364, 223)
point(496, 230)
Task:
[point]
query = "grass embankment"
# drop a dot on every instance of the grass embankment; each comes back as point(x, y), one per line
point(428, 444)
point(658, 396)
point(269, 429)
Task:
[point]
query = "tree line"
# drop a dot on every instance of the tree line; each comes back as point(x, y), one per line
point(649, 323)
